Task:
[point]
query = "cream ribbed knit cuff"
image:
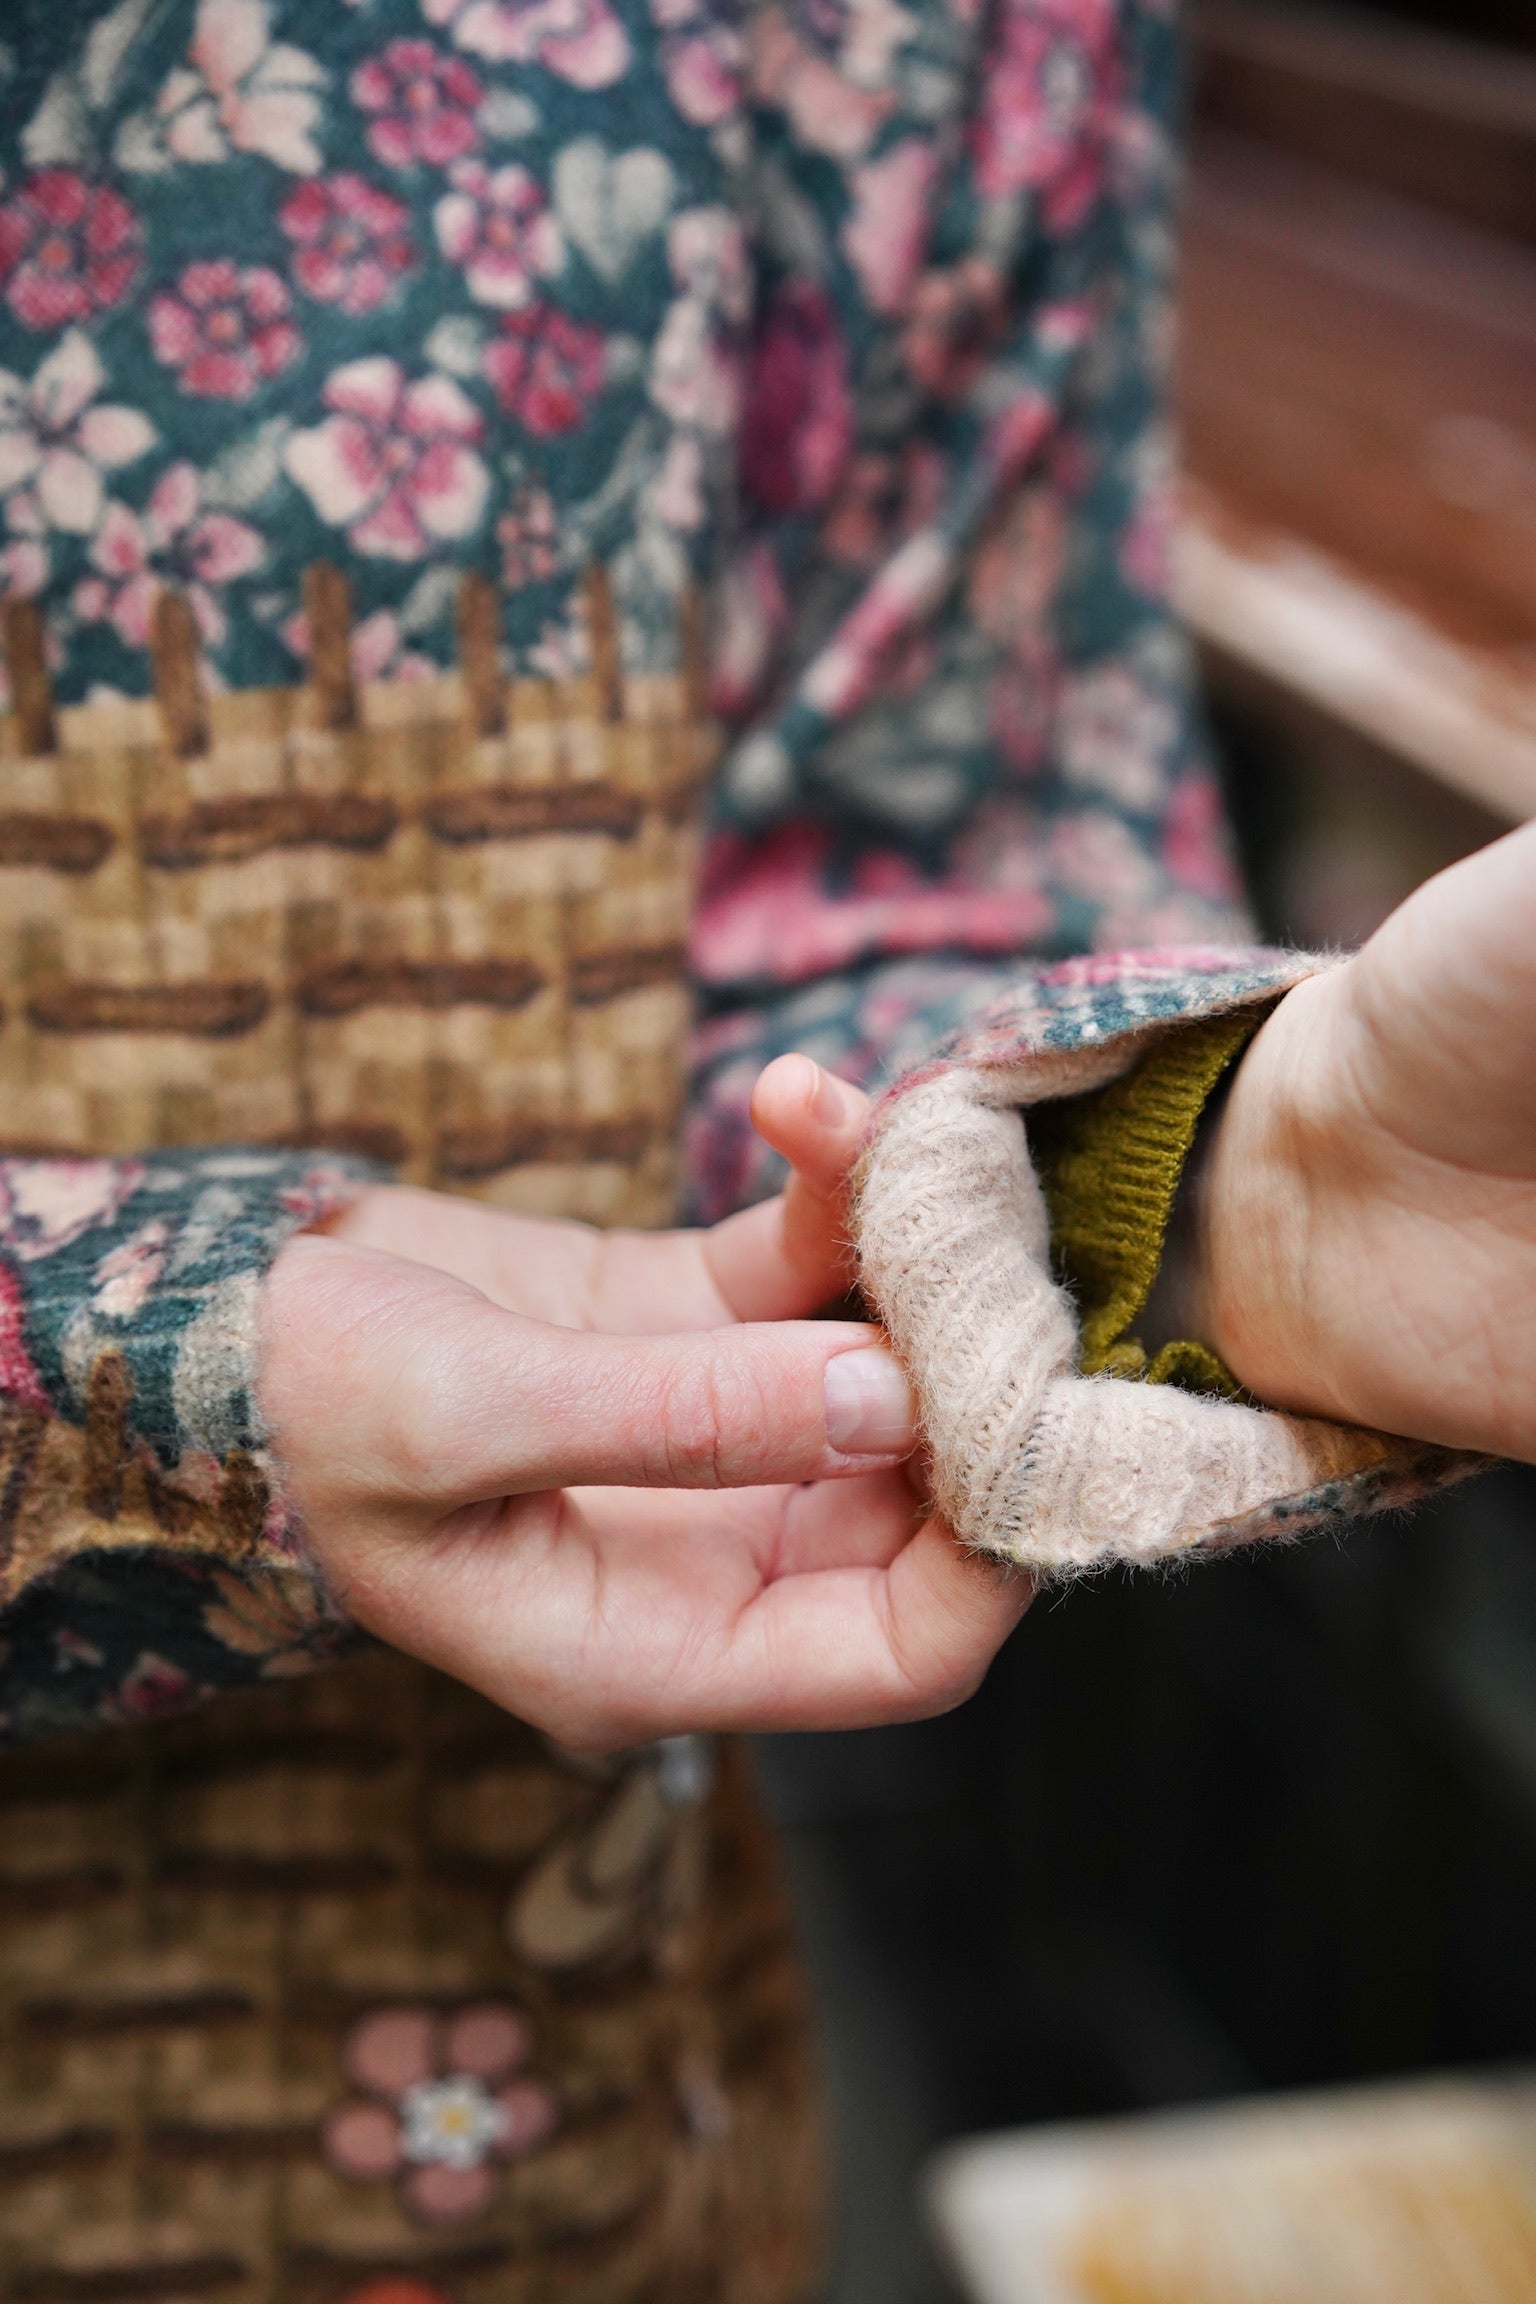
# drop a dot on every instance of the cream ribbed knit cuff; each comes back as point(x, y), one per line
point(1033, 1461)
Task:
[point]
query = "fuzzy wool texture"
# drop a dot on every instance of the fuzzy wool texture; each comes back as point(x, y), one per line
point(1033, 1461)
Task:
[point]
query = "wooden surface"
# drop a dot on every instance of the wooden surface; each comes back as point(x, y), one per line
point(1358, 399)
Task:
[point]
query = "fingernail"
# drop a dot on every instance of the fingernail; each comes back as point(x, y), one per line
point(869, 1405)
point(831, 1101)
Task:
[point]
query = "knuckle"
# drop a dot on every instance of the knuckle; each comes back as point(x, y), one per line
point(698, 1410)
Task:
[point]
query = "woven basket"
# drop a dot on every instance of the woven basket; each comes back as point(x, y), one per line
point(440, 922)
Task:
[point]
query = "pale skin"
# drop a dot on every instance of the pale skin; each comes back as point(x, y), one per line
point(604, 1479)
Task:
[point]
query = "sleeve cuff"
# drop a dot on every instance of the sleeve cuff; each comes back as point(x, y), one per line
point(967, 1221)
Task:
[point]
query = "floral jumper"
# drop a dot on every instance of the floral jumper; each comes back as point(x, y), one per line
point(856, 313)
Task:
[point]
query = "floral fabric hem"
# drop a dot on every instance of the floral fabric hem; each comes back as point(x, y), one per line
point(147, 1554)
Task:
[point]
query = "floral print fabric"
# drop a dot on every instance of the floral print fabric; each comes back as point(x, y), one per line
point(857, 307)
point(127, 1317)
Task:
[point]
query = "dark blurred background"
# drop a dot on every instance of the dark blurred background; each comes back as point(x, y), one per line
point(1271, 1822)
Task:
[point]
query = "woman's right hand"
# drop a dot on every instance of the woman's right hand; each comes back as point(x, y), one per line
point(618, 1482)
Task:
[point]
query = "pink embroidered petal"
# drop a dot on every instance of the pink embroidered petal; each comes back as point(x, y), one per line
point(392, 2050)
point(70, 491)
point(488, 2041)
point(443, 2195)
point(221, 548)
point(172, 505)
point(529, 2114)
point(68, 380)
point(363, 2141)
point(115, 436)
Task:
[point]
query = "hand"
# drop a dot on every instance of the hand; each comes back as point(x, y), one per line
point(1369, 1221)
point(511, 1443)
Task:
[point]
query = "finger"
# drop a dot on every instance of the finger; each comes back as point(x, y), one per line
point(430, 1392)
point(785, 1258)
point(860, 1522)
point(861, 1647)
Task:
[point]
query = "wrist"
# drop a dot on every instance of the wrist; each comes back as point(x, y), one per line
point(1254, 1277)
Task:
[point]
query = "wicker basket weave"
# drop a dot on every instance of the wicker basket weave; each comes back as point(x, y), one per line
point(441, 922)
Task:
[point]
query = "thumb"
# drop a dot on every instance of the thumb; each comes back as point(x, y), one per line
point(429, 1392)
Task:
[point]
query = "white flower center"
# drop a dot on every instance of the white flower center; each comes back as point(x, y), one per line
point(454, 2122)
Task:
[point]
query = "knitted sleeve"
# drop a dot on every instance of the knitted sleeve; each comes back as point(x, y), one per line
point(147, 1556)
point(1040, 1145)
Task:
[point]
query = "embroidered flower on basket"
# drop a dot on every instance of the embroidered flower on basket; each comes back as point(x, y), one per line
point(443, 2102)
point(68, 249)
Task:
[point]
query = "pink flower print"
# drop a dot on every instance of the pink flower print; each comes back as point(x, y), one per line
point(581, 41)
point(224, 328)
point(20, 1383)
point(352, 241)
point(544, 368)
point(443, 2100)
point(1048, 92)
point(127, 1273)
point(1116, 735)
point(1195, 844)
point(702, 59)
point(57, 439)
point(394, 463)
point(151, 1689)
point(47, 1204)
point(695, 379)
point(173, 541)
point(497, 227)
point(829, 65)
point(379, 652)
point(423, 104)
point(242, 92)
point(68, 249)
point(797, 424)
point(885, 236)
point(529, 535)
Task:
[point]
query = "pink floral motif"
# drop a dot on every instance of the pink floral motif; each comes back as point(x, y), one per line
point(352, 241)
point(497, 227)
point(379, 650)
point(1195, 842)
point(1047, 105)
point(885, 236)
point(703, 60)
point(797, 424)
point(241, 91)
point(128, 1273)
point(151, 1689)
point(57, 439)
point(47, 1204)
point(20, 1382)
point(544, 368)
point(394, 463)
point(443, 2100)
point(529, 535)
point(224, 328)
point(174, 540)
point(829, 63)
point(422, 104)
point(581, 41)
point(68, 249)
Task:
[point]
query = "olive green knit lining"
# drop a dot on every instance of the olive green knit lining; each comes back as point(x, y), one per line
point(1110, 1165)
